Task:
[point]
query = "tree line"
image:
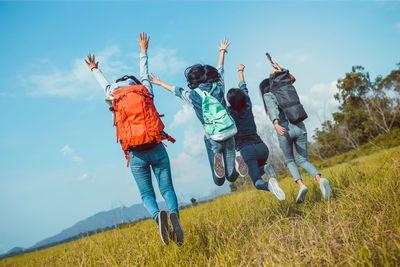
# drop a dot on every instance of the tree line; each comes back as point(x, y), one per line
point(367, 108)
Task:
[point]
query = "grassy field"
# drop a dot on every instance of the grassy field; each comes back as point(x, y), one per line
point(359, 226)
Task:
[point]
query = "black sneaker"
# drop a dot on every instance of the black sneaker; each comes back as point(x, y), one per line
point(163, 226)
point(176, 231)
point(219, 169)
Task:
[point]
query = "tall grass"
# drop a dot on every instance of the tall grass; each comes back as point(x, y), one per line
point(359, 226)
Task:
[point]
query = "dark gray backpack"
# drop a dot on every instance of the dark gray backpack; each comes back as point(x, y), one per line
point(287, 97)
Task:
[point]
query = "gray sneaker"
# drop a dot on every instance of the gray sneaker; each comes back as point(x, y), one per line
point(302, 194)
point(325, 188)
point(163, 226)
point(274, 188)
point(241, 166)
point(219, 169)
point(176, 231)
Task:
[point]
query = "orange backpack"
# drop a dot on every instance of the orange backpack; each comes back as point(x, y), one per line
point(136, 118)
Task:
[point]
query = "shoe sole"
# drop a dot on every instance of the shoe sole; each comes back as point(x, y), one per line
point(219, 169)
point(241, 166)
point(176, 229)
point(163, 226)
point(326, 189)
point(276, 190)
point(300, 198)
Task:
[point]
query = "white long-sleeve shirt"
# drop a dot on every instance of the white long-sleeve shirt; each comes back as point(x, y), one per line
point(110, 88)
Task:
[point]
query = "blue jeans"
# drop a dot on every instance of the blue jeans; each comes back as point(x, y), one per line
point(156, 158)
point(297, 136)
point(255, 156)
point(227, 149)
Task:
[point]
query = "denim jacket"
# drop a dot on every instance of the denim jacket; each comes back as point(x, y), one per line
point(244, 119)
point(193, 99)
point(273, 108)
point(111, 88)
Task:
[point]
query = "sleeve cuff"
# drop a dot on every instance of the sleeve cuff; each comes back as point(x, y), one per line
point(242, 83)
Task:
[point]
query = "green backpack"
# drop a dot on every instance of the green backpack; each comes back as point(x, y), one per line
point(218, 124)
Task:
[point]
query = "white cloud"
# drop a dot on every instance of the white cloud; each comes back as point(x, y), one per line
point(183, 116)
point(193, 140)
point(319, 103)
point(68, 151)
point(77, 81)
point(187, 168)
point(296, 56)
point(84, 176)
point(162, 60)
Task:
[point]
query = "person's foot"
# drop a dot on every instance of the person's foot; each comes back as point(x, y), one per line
point(241, 166)
point(325, 188)
point(219, 169)
point(302, 194)
point(163, 226)
point(176, 231)
point(274, 188)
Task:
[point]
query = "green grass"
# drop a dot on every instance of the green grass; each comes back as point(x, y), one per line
point(359, 226)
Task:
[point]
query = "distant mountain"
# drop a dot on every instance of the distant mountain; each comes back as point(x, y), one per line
point(15, 250)
point(101, 220)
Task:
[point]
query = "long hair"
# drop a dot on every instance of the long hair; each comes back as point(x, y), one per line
point(126, 77)
point(264, 86)
point(198, 74)
point(236, 98)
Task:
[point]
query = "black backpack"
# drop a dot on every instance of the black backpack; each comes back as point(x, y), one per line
point(286, 95)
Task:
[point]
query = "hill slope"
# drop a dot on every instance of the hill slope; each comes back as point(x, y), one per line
point(360, 225)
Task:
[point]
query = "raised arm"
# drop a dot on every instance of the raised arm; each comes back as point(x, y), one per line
point(178, 91)
point(277, 67)
point(240, 71)
point(242, 83)
point(94, 67)
point(222, 50)
point(156, 80)
point(144, 69)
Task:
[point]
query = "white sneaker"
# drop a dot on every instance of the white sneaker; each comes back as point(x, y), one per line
point(241, 166)
point(274, 188)
point(325, 188)
point(302, 194)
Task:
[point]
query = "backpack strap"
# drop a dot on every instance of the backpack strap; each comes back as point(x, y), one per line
point(199, 92)
point(204, 93)
point(214, 85)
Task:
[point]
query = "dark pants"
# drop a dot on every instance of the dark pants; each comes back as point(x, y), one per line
point(255, 156)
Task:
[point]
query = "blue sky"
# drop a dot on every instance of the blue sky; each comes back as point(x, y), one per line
point(59, 162)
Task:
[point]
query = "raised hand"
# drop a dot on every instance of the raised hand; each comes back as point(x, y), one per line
point(241, 67)
point(91, 62)
point(143, 42)
point(224, 45)
point(155, 80)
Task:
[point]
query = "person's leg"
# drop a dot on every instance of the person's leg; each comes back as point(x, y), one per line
point(262, 154)
point(249, 157)
point(162, 170)
point(302, 157)
point(302, 152)
point(229, 154)
point(140, 167)
point(286, 145)
point(211, 155)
